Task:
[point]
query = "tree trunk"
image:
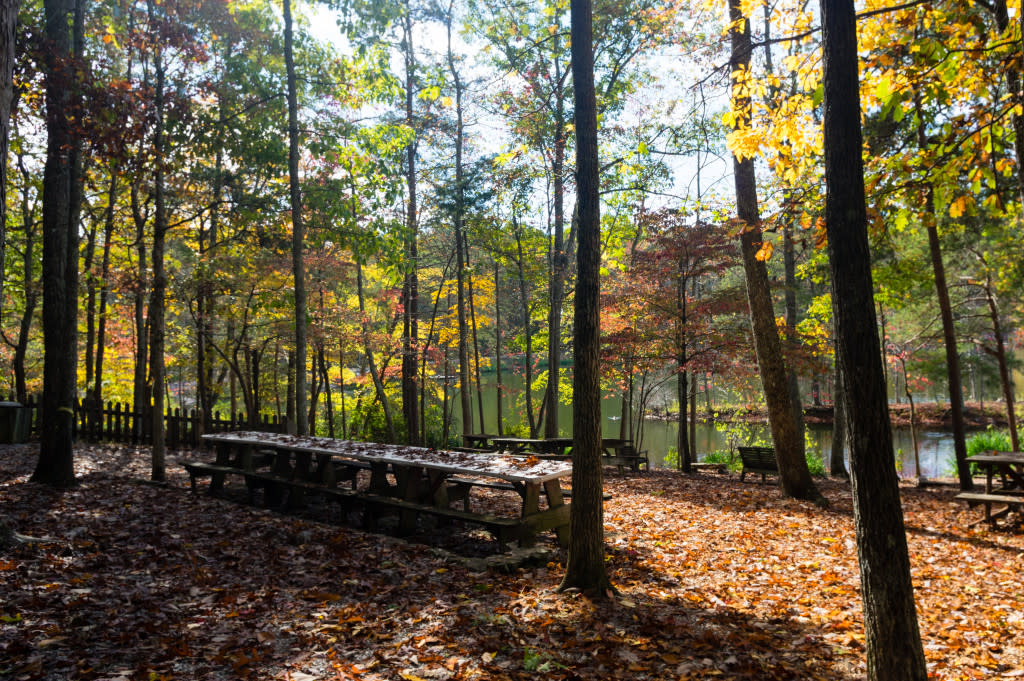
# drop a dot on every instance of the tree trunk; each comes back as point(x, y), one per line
point(61, 200)
point(1013, 86)
point(527, 333)
point(956, 393)
point(140, 399)
point(298, 235)
point(837, 461)
point(410, 286)
point(156, 305)
point(31, 291)
point(8, 22)
point(559, 254)
point(682, 380)
point(789, 264)
point(88, 255)
point(460, 237)
point(101, 325)
point(499, 388)
point(1004, 369)
point(892, 638)
point(378, 384)
point(585, 568)
point(787, 436)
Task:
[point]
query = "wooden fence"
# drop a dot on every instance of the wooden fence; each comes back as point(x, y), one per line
point(117, 422)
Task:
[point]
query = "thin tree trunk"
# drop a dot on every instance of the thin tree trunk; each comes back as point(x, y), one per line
point(88, 256)
point(322, 359)
point(8, 23)
point(499, 387)
point(410, 286)
point(476, 352)
point(585, 567)
point(30, 285)
point(837, 461)
point(786, 434)
point(956, 392)
point(140, 399)
point(527, 335)
point(559, 254)
point(368, 352)
point(298, 234)
point(892, 638)
point(156, 305)
point(341, 367)
point(101, 328)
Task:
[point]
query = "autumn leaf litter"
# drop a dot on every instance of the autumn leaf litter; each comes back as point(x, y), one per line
point(715, 579)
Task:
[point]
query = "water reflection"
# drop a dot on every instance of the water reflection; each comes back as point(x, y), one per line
point(935, 453)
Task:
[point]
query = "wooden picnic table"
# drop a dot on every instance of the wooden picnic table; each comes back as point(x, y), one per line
point(406, 480)
point(1009, 466)
point(618, 452)
point(541, 445)
point(479, 440)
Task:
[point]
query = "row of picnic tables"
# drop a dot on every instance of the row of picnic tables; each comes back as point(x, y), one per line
point(406, 481)
point(1004, 484)
point(618, 452)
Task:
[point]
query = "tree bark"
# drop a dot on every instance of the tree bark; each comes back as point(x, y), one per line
point(410, 286)
point(378, 384)
point(1004, 370)
point(499, 387)
point(892, 638)
point(955, 382)
point(585, 569)
point(156, 305)
point(61, 201)
point(31, 291)
point(104, 293)
point(8, 23)
point(298, 235)
point(559, 254)
point(837, 461)
point(787, 435)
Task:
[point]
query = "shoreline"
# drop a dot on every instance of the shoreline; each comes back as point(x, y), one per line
point(930, 415)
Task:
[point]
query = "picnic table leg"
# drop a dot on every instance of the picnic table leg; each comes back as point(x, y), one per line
point(223, 459)
point(554, 491)
point(531, 506)
point(412, 481)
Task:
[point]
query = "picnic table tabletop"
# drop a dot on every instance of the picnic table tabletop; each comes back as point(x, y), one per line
point(510, 468)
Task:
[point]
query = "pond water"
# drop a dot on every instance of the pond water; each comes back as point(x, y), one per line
point(659, 436)
point(935, 448)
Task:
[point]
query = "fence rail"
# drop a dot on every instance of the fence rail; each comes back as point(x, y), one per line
point(117, 422)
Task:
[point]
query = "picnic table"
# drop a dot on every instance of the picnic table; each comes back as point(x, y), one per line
point(558, 446)
point(404, 480)
point(616, 452)
point(478, 440)
point(1009, 493)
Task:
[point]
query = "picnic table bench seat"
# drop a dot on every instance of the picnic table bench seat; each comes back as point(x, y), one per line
point(1011, 501)
point(202, 469)
point(758, 460)
point(458, 489)
point(503, 529)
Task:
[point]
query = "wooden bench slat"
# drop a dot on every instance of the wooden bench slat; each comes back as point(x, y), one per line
point(983, 498)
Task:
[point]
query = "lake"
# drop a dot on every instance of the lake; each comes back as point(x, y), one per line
point(659, 436)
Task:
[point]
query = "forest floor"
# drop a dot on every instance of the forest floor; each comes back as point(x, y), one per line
point(714, 577)
point(929, 415)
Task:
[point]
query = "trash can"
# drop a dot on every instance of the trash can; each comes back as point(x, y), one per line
point(15, 422)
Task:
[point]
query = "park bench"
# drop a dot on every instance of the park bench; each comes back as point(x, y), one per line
point(988, 499)
point(758, 460)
